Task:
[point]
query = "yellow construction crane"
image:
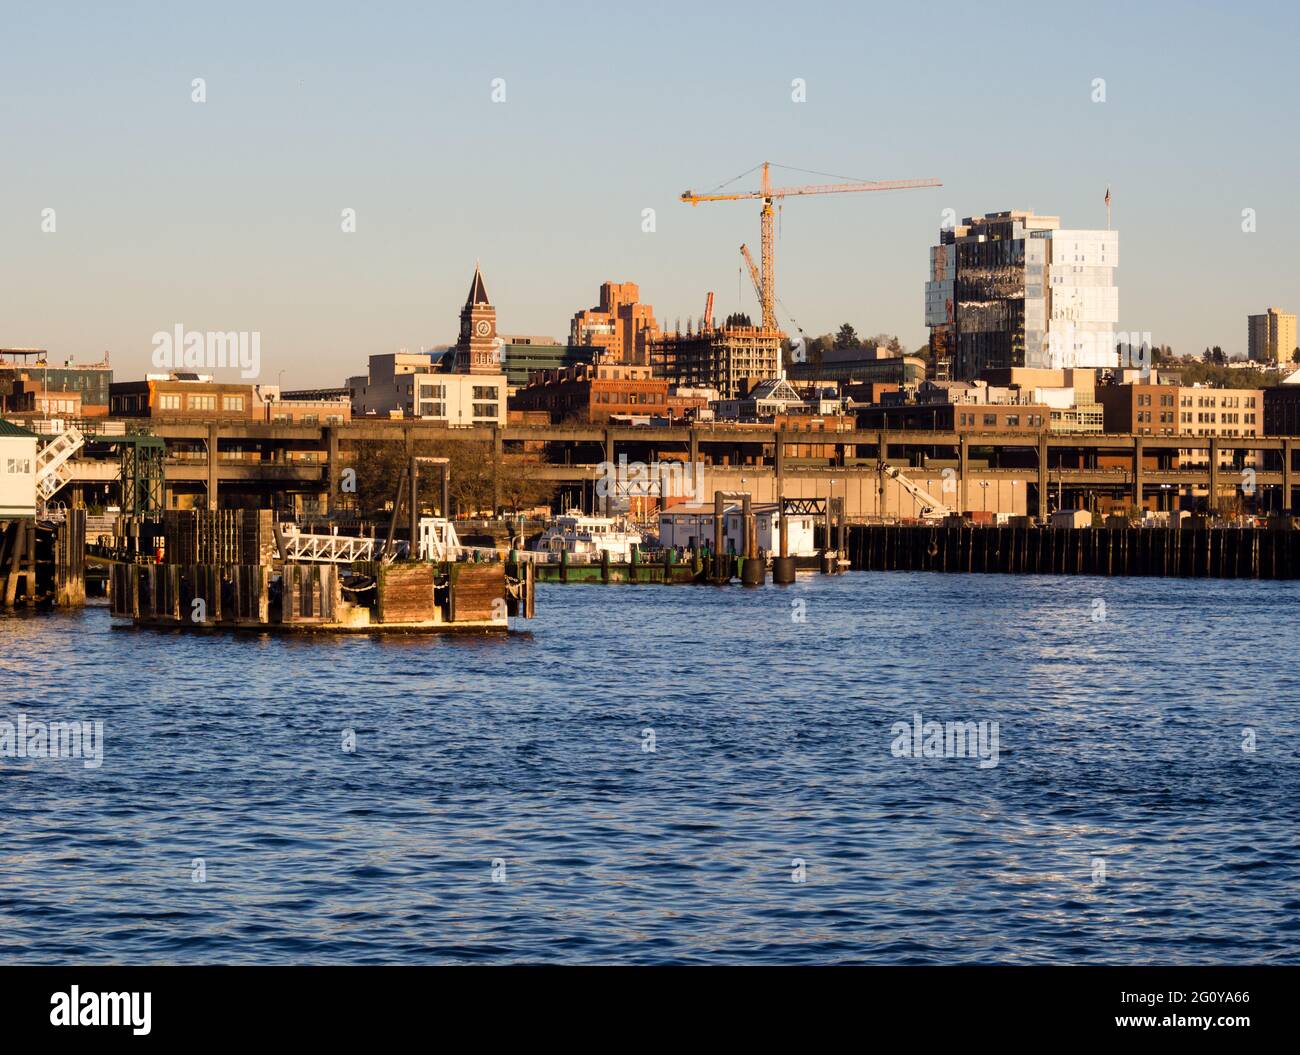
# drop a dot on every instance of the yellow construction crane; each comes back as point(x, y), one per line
point(753, 273)
point(769, 194)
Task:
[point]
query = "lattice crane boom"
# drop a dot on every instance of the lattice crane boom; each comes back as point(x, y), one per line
point(769, 194)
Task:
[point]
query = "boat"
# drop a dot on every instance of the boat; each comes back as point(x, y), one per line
point(584, 538)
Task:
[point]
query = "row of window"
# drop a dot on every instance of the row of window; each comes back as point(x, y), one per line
point(1034, 421)
point(639, 398)
point(173, 401)
point(19, 466)
point(1217, 401)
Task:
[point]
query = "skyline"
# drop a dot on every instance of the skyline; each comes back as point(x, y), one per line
point(225, 214)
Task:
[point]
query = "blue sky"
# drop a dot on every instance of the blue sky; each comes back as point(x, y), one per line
point(225, 215)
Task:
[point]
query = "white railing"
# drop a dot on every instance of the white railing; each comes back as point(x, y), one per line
point(337, 549)
point(52, 470)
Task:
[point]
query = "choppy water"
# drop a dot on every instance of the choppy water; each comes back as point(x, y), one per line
point(1119, 740)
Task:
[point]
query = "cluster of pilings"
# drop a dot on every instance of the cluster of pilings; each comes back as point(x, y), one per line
point(1231, 553)
point(43, 562)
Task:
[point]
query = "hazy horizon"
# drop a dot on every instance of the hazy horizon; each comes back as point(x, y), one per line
point(226, 214)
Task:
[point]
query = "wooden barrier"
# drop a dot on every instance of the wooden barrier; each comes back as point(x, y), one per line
point(1233, 553)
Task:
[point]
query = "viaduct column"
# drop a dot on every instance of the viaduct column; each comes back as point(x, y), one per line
point(610, 472)
point(1288, 474)
point(1137, 471)
point(498, 451)
point(332, 469)
point(1044, 484)
point(214, 431)
point(963, 466)
point(1214, 473)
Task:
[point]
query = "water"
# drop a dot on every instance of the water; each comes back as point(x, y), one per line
point(1119, 739)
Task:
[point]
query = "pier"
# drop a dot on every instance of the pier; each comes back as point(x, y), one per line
point(1188, 552)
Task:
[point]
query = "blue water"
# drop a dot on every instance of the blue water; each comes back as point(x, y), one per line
point(1119, 739)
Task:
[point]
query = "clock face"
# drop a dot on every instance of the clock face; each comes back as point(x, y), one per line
point(483, 327)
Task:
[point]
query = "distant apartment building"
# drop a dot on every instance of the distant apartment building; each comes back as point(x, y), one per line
point(184, 396)
point(1070, 395)
point(1145, 409)
point(1271, 337)
point(1179, 410)
point(731, 358)
point(31, 369)
point(410, 385)
point(620, 328)
point(594, 393)
point(860, 366)
point(317, 406)
point(525, 356)
point(1013, 289)
point(30, 398)
point(954, 406)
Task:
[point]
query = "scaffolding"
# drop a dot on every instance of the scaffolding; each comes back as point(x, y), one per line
point(140, 461)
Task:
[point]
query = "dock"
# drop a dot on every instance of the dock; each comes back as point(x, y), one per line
point(1186, 552)
point(220, 571)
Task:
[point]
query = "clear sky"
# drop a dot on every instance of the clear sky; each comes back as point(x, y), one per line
point(226, 215)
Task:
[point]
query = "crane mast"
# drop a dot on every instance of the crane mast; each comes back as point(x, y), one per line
point(766, 284)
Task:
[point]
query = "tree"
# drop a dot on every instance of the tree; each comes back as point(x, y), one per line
point(520, 486)
point(847, 338)
point(380, 465)
point(1295, 356)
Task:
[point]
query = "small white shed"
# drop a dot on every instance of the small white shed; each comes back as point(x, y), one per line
point(690, 526)
point(17, 471)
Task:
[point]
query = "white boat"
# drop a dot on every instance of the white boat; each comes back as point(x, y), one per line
point(584, 538)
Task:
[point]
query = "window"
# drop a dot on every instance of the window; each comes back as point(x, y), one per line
point(485, 410)
point(485, 392)
point(1013, 420)
point(990, 419)
point(20, 466)
point(203, 402)
point(168, 402)
point(232, 402)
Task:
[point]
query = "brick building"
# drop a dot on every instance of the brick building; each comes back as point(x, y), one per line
point(183, 397)
point(620, 327)
point(594, 393)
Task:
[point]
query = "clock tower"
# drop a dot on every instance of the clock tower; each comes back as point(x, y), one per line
point(477, 351)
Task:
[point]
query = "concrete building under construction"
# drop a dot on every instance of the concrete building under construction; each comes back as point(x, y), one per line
point(730, 358)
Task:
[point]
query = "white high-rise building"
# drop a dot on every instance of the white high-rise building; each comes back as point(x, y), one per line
point(1082, 301)
point(1012, 289)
